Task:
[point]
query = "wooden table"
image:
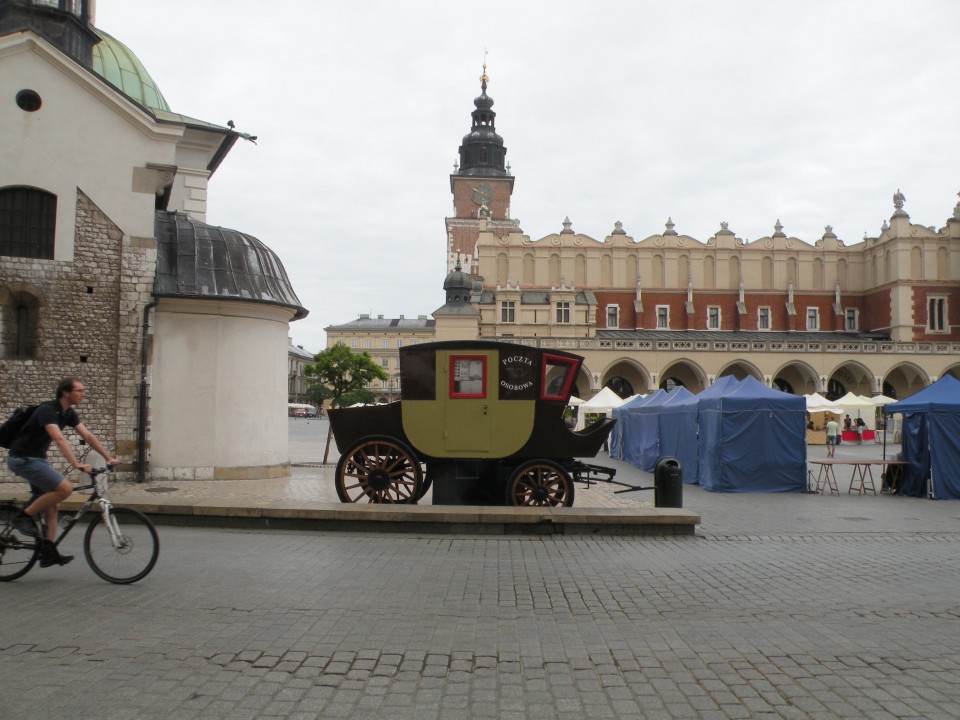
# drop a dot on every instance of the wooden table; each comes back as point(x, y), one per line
point(861, 478)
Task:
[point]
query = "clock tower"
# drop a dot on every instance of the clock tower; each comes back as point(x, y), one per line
point(481, 183)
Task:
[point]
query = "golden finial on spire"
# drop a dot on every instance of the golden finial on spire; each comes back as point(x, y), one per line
point(484, 78)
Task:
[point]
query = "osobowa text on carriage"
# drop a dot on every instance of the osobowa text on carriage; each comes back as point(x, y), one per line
point(482, 422)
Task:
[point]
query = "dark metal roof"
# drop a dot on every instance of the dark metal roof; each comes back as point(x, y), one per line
point(202, 261)
point(365, 322)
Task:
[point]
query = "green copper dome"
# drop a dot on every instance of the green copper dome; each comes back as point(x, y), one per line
point(115, 63)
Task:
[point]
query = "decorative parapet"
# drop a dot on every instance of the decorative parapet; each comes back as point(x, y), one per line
point(777, 346)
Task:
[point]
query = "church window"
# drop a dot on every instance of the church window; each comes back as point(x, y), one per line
point(19, 322)
point(613, 316)
point(937, 314)
point(29, 100)
point(713, 317)
point(663, 317)
point(27, 222)
point(852, 319)
point(763, 318)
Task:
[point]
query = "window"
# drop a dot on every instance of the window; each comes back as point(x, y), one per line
point(353, 343)
point(713, 317)
point(399, 343)
point(385, 363)
point(558, 375)
point(663, 317)
point(368, 344)
point(468, 376)
point(851, 321)
point(386, 343)
point(937, 314)
point(19, 323)
point(563, 312)
point(613, 316)
point(813, 318)
point(763, 318)
point(508, 311)
point(28, 218)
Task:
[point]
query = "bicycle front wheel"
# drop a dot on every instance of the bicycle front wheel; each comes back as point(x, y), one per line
point(18, 553)
point(128, 554)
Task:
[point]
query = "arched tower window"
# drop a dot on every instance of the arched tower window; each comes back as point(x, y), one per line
point(766, 272)
point(709, 272)
point(502, 269)
point(28, 219)
point(606, 270)
point(658, 271)
point(734, 279)
point(19, 324)
point(554, 270)
point(528, 270)
point(580, 270)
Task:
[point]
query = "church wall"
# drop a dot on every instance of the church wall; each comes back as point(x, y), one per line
point(87, 328)
point(77, 121)
point(228, 421)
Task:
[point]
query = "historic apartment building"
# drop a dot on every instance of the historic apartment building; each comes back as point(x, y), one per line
point(382, 339)
point(666, 308)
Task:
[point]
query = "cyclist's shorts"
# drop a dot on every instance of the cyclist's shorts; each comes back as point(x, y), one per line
point(35, 471)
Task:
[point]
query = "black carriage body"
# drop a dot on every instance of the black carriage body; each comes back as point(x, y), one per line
point(473, 412)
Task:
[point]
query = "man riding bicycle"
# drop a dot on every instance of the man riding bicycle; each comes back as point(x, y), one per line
point(28, 460)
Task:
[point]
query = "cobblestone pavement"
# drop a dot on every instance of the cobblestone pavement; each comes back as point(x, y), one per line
point(783, 606)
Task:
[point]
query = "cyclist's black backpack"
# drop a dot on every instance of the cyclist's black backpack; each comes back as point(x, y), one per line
point(14, 424)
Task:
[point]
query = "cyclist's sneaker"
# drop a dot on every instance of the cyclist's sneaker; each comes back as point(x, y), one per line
point(26, 525)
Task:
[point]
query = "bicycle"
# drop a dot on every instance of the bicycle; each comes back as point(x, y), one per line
point(120, 544)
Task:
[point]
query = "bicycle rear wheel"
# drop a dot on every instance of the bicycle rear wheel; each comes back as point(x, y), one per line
point(135, 554)
point(18, 553)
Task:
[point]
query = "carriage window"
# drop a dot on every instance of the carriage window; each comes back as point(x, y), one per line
point(468, 376)
point(558, 375)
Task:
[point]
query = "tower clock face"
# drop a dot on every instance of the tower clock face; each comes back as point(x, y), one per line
point(480, 194)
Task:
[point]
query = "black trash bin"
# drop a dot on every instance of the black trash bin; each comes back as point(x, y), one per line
point(667, 483)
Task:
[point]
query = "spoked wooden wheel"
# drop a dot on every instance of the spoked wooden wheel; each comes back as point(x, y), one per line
point(540, 482)
point(379, 470)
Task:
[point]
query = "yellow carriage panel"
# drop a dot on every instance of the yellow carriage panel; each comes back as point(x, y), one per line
point(482, 407)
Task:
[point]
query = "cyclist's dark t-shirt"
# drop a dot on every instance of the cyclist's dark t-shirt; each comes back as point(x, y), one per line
point(34, 440)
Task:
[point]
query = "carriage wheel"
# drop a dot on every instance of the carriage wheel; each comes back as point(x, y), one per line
point(379, 470)
point(540, 482)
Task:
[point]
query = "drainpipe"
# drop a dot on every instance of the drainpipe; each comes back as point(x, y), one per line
point(142, 404)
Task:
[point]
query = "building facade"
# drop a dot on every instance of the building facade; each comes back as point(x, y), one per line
point(382, 338)
point(667, 309)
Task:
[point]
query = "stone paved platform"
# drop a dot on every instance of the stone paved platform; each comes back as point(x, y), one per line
point(308, 500)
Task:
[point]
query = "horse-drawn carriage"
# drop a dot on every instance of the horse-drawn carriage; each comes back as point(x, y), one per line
point(482, 422)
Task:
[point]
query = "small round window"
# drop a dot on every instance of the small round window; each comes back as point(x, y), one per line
point(28, 100)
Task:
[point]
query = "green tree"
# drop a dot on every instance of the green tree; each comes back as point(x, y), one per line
point(341, 372)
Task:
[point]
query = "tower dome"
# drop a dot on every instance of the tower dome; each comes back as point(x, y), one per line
point(482, 152)
point(457, 285)
point(116, 63)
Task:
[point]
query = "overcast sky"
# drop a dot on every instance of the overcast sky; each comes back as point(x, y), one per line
point(811, 112)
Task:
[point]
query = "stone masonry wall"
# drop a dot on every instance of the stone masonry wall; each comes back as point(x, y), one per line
point(89, 326)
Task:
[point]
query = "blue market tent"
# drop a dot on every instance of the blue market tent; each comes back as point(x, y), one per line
point(679, 427)
point(628, 440)
point(930, 438)
point(753, 439)
point(619, 414)
point(642, 441)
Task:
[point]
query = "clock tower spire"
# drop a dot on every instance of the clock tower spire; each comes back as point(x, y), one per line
point(481, 182)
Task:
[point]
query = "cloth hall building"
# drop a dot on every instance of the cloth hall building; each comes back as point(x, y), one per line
point(878, 316)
